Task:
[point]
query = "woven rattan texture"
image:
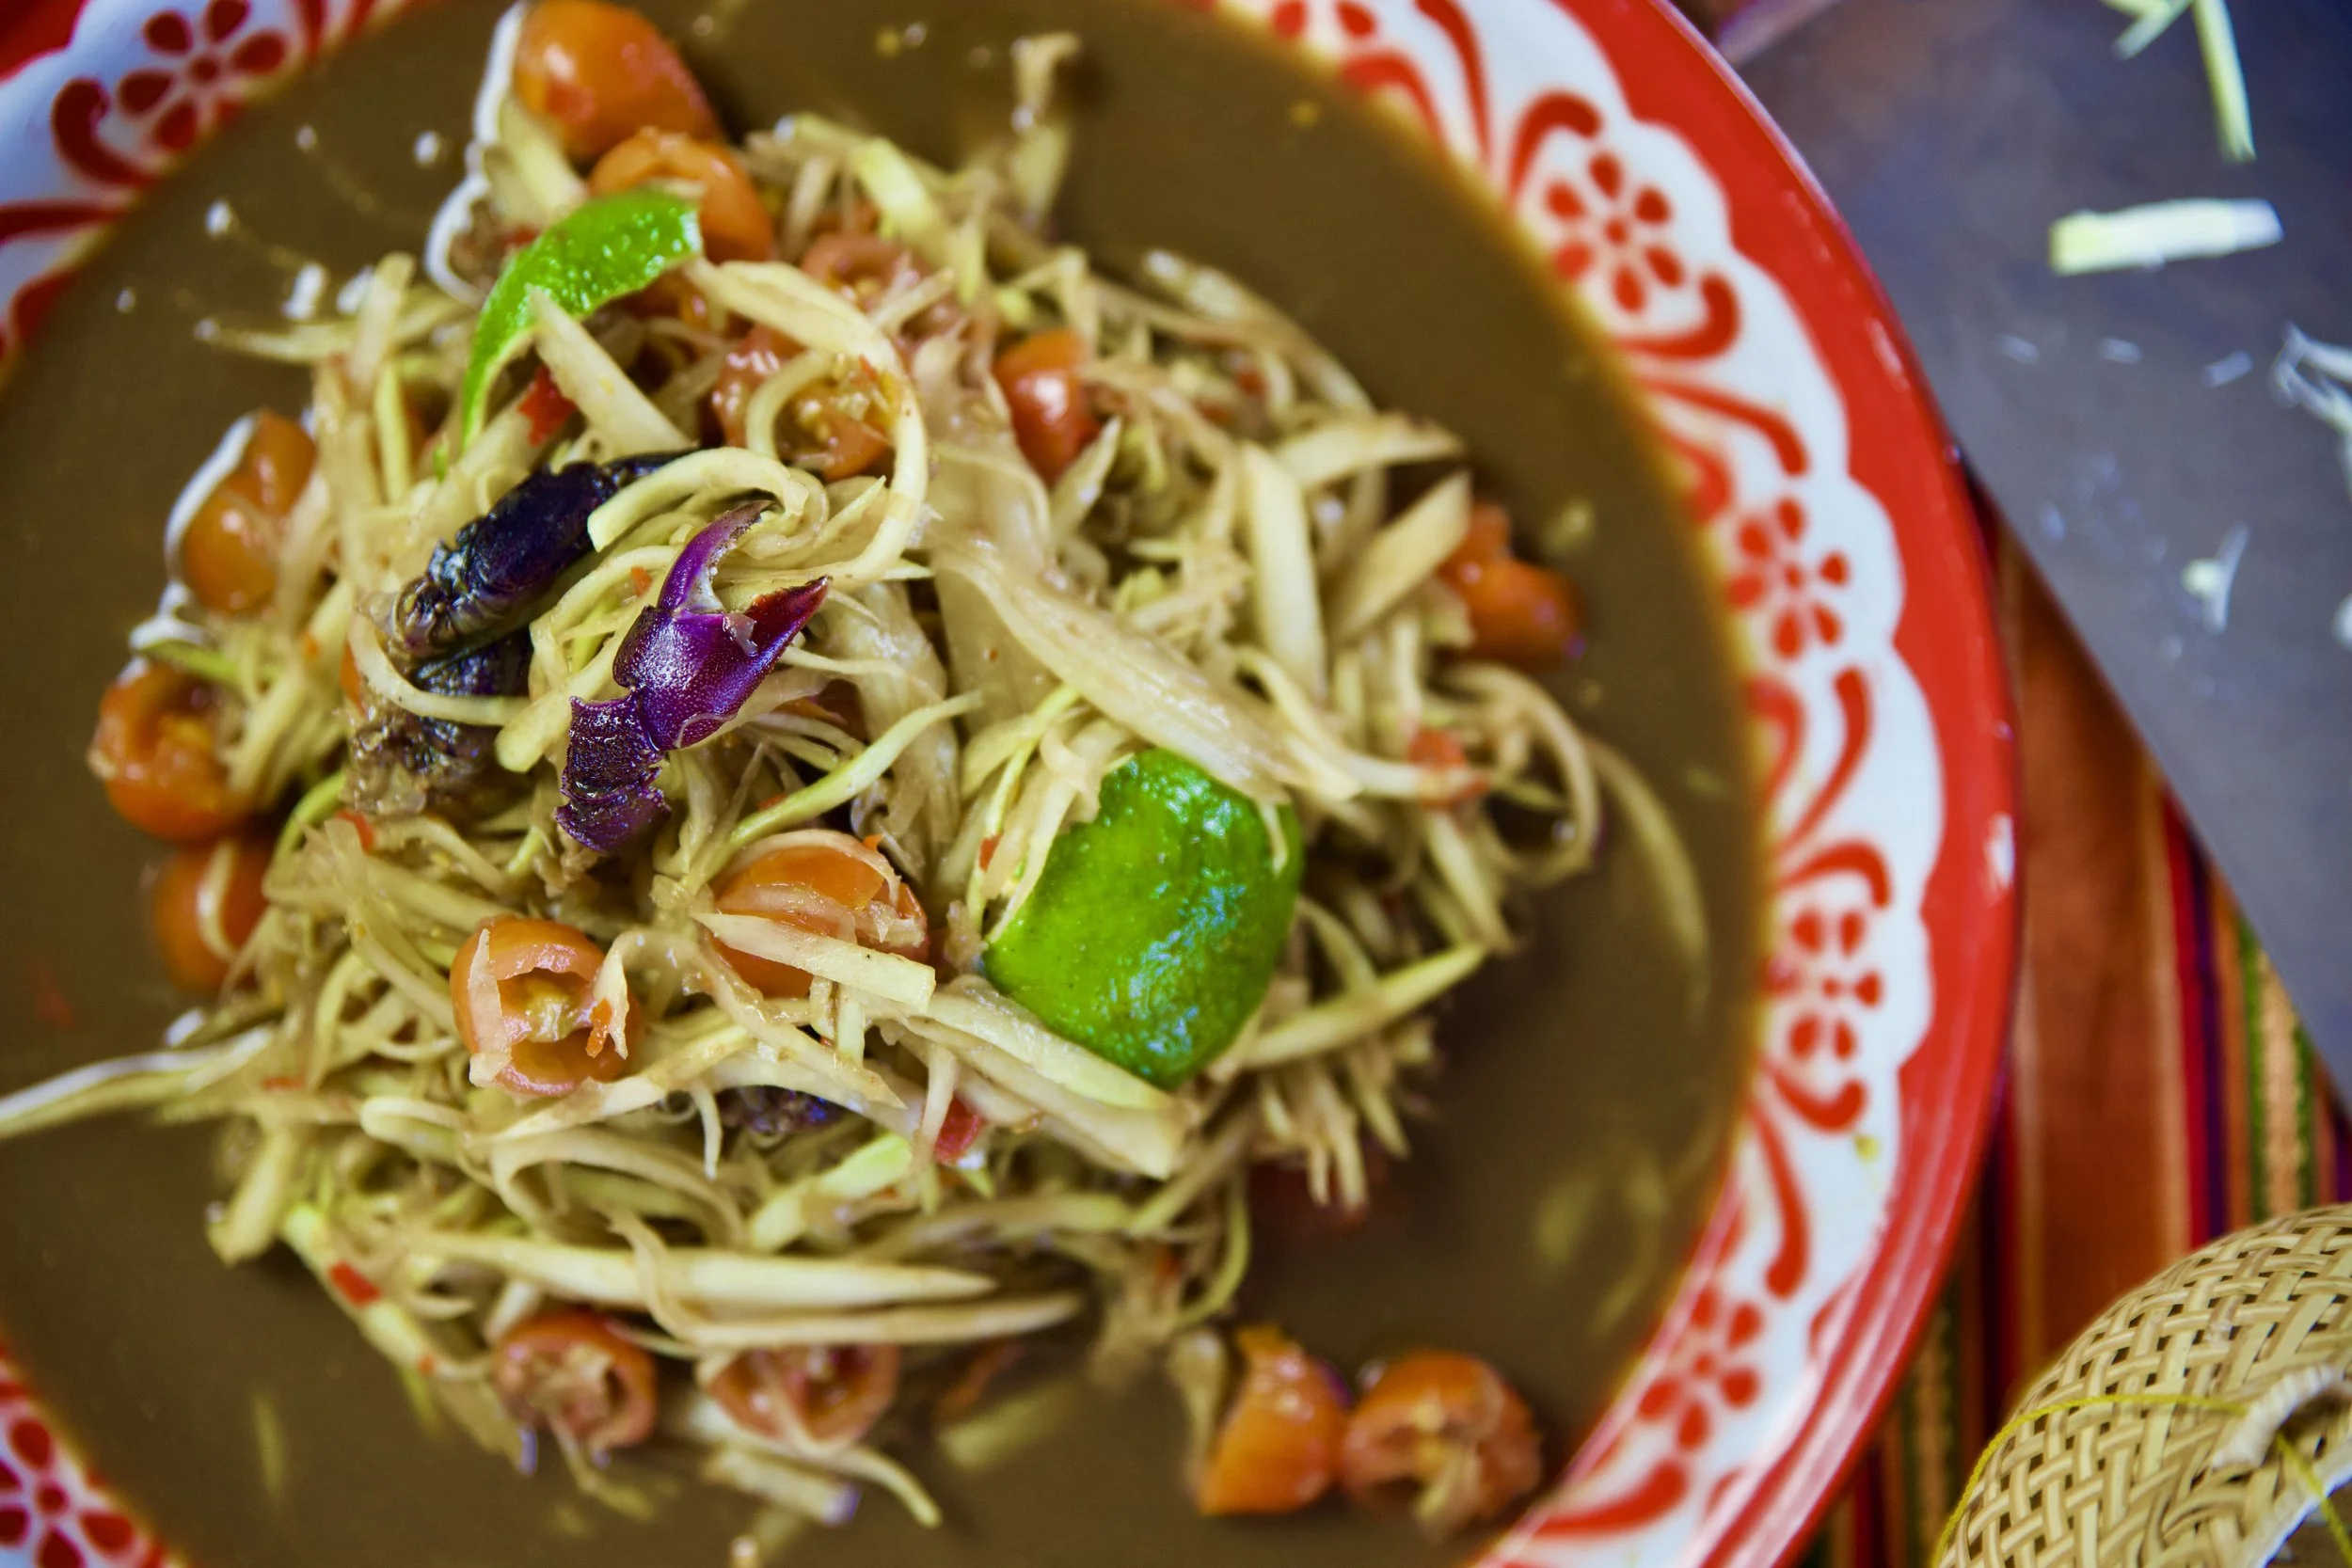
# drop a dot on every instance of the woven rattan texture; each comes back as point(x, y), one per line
point(2112, 1485)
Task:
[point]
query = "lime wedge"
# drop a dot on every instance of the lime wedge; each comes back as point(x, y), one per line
point(1156, 929)
point(593, 254)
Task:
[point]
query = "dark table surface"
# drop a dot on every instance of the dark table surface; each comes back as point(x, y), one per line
point(1950, 133)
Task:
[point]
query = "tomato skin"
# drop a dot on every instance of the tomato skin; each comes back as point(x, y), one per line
point(1519, 615)
point(846, 447)
point(836, 445)
point(517, 982)
point(756, 356)
point(177, 909)
point(154, 753)
point(1279, 1446)
point(229, 555)
point(600, 72)
point(1444, 1436)
point(863, 266)
point(1050, 418)
point(834, 1393)
point(826, 885)
point(735, 223)
point(576, 1371)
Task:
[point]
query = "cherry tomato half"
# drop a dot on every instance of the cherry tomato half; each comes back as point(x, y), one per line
point(735, 225)
point(830, 884)
point(1050, 418)
point(1519, 615)
point(156, 752)
point(863, 266)
point(205, 902)
point(756, 356)
point(833, 1393)
point(229, 555)
point(576, 1373)
point(1279, 1446)
point(602, 72)
point(817, 431)
point(1441, 1435)
point(520, 988)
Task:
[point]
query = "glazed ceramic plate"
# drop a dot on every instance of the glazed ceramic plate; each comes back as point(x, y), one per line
point(1827, 526)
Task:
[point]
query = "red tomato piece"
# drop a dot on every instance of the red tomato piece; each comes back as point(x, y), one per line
point(829, 885)
point(156, 753)
point(205, 903)
point(1519, 615)
point(602, 73)
point(1279, 1448)
point(1440, 1435)
point(830, 1393)
point(1050, 418)
point(520, 990)
point(576, 1373)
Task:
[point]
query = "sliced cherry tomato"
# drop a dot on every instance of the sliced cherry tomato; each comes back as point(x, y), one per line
point(735, 225)
point(155, 752)
point(1050, 418)
point(229, 555)
point(520, 990)
point(205, 902)
point(840, 445)
point(756, 356)
point(834, 442)
point(1442, 1437)
point(602, 73)
point(831, 884)
point(1279, 1448)
point(1520, 613)
point(833, 1394)
point(863, 266)
point(576, 1373)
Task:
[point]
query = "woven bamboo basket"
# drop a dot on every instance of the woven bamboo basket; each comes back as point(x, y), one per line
point(2194, 1425)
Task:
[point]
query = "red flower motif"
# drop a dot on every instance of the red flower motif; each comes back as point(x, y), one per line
point(1824, 975)
point(1289, 18)
point(39, 1513)
point(1774, 573)
point(1704, 1369)
point(206, 57)
point(1624, 232)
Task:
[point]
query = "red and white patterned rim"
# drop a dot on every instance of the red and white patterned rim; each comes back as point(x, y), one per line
point(1847, 555)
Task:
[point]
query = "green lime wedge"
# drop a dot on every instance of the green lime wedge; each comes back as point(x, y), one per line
point(601, 250)
point(1154, 930)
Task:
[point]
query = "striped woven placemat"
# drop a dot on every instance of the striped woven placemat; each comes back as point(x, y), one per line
point(2159, 1092)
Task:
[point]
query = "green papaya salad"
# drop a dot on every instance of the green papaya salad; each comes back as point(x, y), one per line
point(775, 785)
